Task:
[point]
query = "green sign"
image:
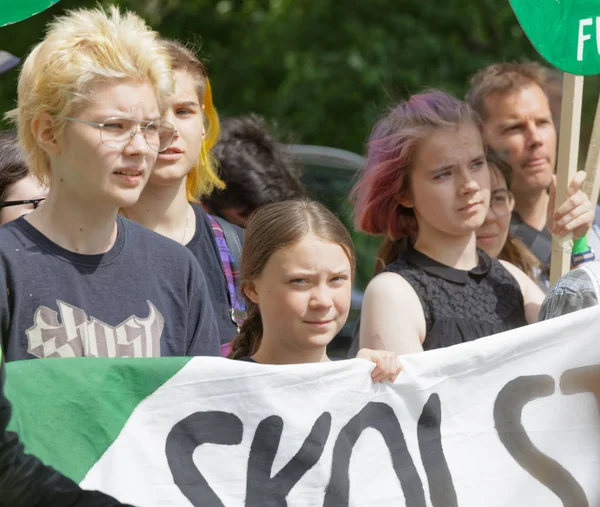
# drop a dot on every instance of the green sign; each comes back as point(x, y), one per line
point(12, 11)
point(564, 32)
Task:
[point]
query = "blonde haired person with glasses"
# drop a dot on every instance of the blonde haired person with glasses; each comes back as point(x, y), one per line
point(82, 280)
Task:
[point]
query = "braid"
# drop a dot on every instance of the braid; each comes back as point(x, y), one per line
point(248, 340)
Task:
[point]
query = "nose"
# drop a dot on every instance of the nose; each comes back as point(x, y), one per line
point(535, 138)
point(136, 142)
point(467, 183)
point(320, 297)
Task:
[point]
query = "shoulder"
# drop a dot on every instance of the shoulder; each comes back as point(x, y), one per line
point(576, 290)
point(525, 283)
point(13, 235)
point(201, 214)
point(582, 279)
point(531, 292)
point(518, 274)
point(391, 286)
point(12, 229)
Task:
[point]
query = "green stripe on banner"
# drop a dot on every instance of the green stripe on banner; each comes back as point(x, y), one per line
point(119, 385)
point(12, 11)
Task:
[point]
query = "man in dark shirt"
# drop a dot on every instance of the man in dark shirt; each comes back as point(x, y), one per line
point(518, 125)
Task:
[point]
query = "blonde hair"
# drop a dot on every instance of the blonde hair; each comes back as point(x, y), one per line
point(273, 227)
point(82, 48)
point(203, 178)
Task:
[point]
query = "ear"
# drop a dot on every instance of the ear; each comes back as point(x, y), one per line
point(405, 201)
point(43, 129)
point(249, 289)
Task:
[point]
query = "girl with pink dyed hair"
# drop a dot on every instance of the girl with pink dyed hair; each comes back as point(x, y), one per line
point(426, 187)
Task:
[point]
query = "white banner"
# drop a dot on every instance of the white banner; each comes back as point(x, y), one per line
point(508, 420)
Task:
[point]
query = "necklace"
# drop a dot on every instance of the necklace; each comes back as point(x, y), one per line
point(187, 221)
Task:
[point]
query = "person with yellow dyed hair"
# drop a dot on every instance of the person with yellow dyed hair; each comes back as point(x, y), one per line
point(183, 174)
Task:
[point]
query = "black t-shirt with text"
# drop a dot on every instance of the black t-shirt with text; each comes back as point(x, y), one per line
point(146, 297)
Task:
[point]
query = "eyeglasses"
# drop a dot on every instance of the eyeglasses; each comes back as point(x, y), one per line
point(117, 132)
point(35, 202)
point(501, 202)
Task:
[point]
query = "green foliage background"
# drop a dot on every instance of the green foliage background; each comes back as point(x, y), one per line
point(323, 70)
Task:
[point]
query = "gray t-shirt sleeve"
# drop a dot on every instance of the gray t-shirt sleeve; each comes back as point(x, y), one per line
point(574, 291)
point(202, 327)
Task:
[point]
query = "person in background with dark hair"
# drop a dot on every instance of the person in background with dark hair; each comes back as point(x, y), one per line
point(494, 237)
point(518, 124)
point(255, 169)
point(297, 272)
point(20, 191)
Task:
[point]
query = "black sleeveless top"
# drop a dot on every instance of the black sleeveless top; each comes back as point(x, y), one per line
point(459, 306)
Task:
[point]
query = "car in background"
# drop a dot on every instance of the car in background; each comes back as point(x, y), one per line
point(329, 175)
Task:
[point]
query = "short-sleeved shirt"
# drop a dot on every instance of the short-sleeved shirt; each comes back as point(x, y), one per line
point(145, 297)
point(459, 306)
point(577, 290)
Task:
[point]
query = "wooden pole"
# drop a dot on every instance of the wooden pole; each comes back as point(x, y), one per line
point(592, 162)
point(568, 153)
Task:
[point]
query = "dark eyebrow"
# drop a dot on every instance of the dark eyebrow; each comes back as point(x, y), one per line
point(478, 158)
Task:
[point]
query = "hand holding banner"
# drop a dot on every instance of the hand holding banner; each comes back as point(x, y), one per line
point(511, 419)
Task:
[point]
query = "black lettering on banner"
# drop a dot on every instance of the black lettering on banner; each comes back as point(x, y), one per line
point(382, 418)
point(264, 491)
point(219, 428)
point(508, 409)
point(441, 487)
point(582, 380)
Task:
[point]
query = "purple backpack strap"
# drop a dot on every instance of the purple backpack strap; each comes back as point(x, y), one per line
point(236, 301)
